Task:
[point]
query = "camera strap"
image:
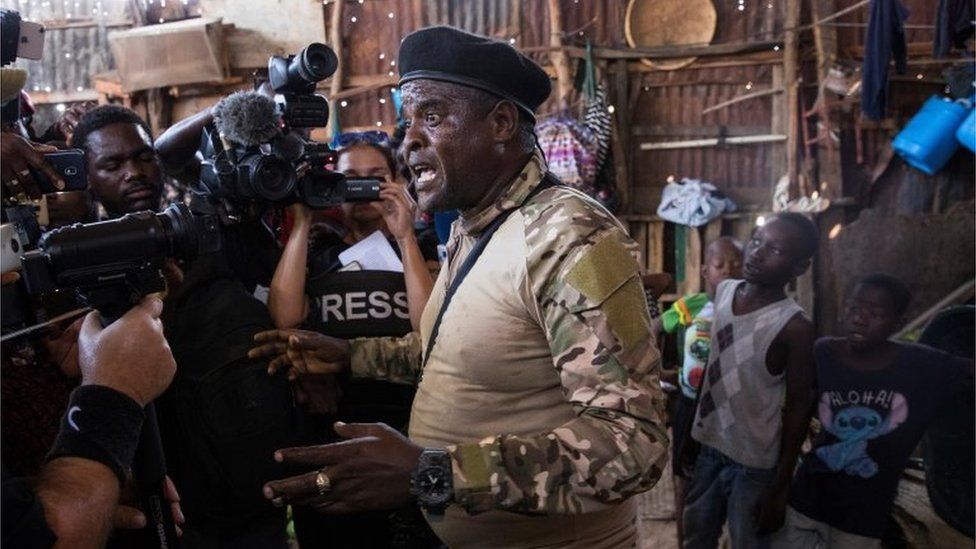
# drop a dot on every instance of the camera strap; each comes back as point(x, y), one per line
point(548, 181)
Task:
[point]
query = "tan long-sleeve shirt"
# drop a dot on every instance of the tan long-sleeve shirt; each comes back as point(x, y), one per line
point(543, 382)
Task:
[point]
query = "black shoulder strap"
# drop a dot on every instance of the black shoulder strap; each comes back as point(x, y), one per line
point(548, 181)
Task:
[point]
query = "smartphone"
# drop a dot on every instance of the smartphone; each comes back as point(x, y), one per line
point(70, 165)
point(31, 42)
point(10, 248)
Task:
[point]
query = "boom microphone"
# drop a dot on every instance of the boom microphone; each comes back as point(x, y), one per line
point(247, 118)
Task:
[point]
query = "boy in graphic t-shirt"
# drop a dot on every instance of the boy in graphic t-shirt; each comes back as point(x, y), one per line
point(694, 313)
point(875, 398)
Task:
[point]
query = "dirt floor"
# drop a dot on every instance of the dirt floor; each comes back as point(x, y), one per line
point(655, 512)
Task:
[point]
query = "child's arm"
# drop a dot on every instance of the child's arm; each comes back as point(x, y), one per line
point(797, 362)
point(287, 302)
point(398, 212)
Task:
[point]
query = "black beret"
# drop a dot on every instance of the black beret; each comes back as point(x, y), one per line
point(451, 55)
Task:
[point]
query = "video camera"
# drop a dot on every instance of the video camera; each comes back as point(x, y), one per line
point(256, 151)
point(111, 265)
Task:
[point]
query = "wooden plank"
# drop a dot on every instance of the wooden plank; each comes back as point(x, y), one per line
point(335, 35)
point(829, 167)
point(791, 56)
point(694, 131)
point(638, 231)
point(621, 131)
point(48, 98)
point(655, 247)
point(714, 142)
point(668, 52)
point(777, 165)
point(693, 260)
point(558, 56)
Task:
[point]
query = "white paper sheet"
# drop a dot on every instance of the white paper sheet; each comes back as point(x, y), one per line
point(373, 253)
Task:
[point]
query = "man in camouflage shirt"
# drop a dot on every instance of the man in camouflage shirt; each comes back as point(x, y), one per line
point(538, 409)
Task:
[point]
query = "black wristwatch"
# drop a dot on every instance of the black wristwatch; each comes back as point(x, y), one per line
point(432, 482)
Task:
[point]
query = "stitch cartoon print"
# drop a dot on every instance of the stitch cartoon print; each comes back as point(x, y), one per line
point(854, 419)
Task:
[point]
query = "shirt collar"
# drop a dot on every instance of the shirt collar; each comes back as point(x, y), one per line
point(518, 189)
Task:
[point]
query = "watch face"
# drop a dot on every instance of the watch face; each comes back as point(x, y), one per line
point(432, 485)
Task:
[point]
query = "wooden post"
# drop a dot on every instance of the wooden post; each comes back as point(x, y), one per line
point(159, 108)
point(418, 14)
point(830, 181)
point(693, 261)
point(335, 36)
point(335, 85)
point(558, 56)
point(655, 247)
point(639, 232)
point(622, 154)
point(791, 56)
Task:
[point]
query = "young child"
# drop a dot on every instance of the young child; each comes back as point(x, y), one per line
point(875, 398)
point(693, 313)
point(754, 407)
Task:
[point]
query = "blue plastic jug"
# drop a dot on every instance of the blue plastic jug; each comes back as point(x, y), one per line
point(966, 134)
point(929, 139)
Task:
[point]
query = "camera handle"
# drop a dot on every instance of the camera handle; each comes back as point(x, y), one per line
point(149, 466)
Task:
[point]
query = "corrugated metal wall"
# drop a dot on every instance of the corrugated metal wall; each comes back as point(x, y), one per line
point(71, 55)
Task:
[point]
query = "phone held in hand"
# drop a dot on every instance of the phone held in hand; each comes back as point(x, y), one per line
point(70, 165)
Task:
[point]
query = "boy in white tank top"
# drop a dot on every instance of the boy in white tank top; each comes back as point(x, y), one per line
point(755, 401)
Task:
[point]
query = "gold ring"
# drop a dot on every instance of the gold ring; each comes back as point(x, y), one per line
point(323, 482)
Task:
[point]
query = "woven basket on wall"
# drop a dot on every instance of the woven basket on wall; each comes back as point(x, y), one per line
point(651, 23)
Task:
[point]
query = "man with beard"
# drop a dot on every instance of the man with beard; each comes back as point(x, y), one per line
point(124, 175)
point(538, 412)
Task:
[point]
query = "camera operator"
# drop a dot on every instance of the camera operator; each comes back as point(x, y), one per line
point(388, 304)
point(74, 502)
point(223, 416)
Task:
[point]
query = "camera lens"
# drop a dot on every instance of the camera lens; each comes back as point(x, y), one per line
point(270, 177)
point(316, 62)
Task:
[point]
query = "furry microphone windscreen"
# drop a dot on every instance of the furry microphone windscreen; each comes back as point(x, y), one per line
point(246, 118)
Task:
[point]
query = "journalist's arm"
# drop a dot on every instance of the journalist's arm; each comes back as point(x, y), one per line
point(124, 367)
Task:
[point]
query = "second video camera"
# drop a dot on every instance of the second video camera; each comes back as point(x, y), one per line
point(257, 148)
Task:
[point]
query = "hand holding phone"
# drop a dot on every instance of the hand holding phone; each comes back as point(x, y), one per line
point(18, 157)
point(69, 165)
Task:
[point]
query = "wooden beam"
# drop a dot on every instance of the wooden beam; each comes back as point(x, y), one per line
point(791, 57)
point(741, 98)
point(49, 98)
point(773, 56)
point(85, 23)
point(558, 56)
point(335, 82)
point(622, 154)
point(667, 52)
point(829, 170)
point(693, 261)
point(695, 131)
point(713, 142)
point(777, 125)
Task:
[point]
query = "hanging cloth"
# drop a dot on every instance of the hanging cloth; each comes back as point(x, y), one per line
point(885, 37)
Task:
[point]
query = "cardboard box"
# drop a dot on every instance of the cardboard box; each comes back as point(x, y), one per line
point(170, 54)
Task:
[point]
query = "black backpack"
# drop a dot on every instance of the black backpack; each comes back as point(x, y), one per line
point(223, 416)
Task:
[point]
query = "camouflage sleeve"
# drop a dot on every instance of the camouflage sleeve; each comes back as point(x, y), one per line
point(592, 306)
point(395, 359)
